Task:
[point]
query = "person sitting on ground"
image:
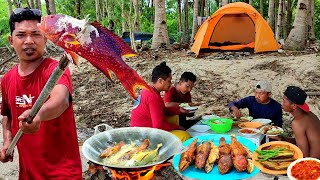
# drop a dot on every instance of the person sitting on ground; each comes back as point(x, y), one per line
point(260, 106)
point(180, 93)
point(151, 111)
point(305, 124)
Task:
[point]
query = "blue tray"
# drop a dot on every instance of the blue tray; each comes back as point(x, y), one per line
point(192, 172)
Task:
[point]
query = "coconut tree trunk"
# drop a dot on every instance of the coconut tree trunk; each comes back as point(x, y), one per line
point(131, 27)
point(38, 4)
point(106, 8)
point(160, 33)
point(297, 37)
point(48, 7)
point(206, 8)
point(261, 7)
point(289, 17)
point(185, 36)
point(52, 7)
point(271, 14)
point(9, 8)
point(179, 16)
point(279, 20)
point(123, 24)
point(201, 9)
point(78, 12)
point(97, 2)
point(31, 4)
point(312, 35)
point(195, 20)
point(224, 2)
point(136, 15)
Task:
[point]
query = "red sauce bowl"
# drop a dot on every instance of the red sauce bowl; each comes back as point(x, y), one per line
point(304, 168)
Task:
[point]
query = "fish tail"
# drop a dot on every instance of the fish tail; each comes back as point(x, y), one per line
point(132, 81)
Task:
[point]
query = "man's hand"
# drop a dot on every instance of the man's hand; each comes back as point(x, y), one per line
point(3, 150)
point(236, 112)
point(184, 111)
point(26, 127)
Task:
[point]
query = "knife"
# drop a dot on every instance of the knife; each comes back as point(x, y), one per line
point(54, 77)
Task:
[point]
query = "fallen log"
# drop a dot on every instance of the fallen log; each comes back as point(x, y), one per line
point(313, 93)
point(7, 60)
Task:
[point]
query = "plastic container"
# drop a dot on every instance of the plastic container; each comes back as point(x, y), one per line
point(220, 125)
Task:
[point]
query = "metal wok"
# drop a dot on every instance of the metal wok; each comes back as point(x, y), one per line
point(93, 146)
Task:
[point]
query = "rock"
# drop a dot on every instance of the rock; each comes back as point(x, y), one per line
point(189, 52)
point(247, 53)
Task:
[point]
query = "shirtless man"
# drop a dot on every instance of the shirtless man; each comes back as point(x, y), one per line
point(305, 125)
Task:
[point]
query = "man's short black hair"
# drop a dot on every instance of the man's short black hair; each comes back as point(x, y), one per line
point(160, 71)
point(23, 14)
point(188, 76)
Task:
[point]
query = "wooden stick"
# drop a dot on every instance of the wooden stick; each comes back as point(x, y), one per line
point(5, 61)
point(313, 93)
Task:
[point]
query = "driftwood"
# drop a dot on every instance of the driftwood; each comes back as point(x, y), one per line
point(313, 93)
point(2, 63)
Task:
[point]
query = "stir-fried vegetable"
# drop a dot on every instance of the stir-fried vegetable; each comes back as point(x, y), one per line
point(264, 155)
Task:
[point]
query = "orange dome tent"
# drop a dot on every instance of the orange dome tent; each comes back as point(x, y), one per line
point(233, 27)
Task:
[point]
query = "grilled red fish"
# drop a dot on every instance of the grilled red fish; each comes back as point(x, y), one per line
point(239, 154)
point(96, 44)
point(188, 156)
point(225, 161)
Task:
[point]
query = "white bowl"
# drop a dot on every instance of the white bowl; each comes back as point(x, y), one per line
point(254, 131)
point(200, 128)
point(190, 108)
point(295, 162)
point(208, 117)
point(263, 121)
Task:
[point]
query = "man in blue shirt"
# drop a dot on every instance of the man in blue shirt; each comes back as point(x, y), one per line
point(260, 106)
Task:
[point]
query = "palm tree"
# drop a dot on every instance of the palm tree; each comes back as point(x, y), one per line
point(160, 33)
point(297, 36)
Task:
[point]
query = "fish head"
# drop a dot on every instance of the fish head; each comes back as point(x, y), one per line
point(66, 31)
point(50, 26)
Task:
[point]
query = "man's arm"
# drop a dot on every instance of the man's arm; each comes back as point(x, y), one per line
point(301, 137)
point(6, 126)
point(242, 103)
point(7, 139)
point(236, 105)
point(172, 104)
point(168, 98)
point(57, 103)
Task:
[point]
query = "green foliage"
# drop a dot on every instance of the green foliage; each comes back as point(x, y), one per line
point(317, 18)
point(4, 31)
point(4, 23)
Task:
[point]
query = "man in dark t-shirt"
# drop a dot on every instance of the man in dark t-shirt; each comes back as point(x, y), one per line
point(260, 106)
